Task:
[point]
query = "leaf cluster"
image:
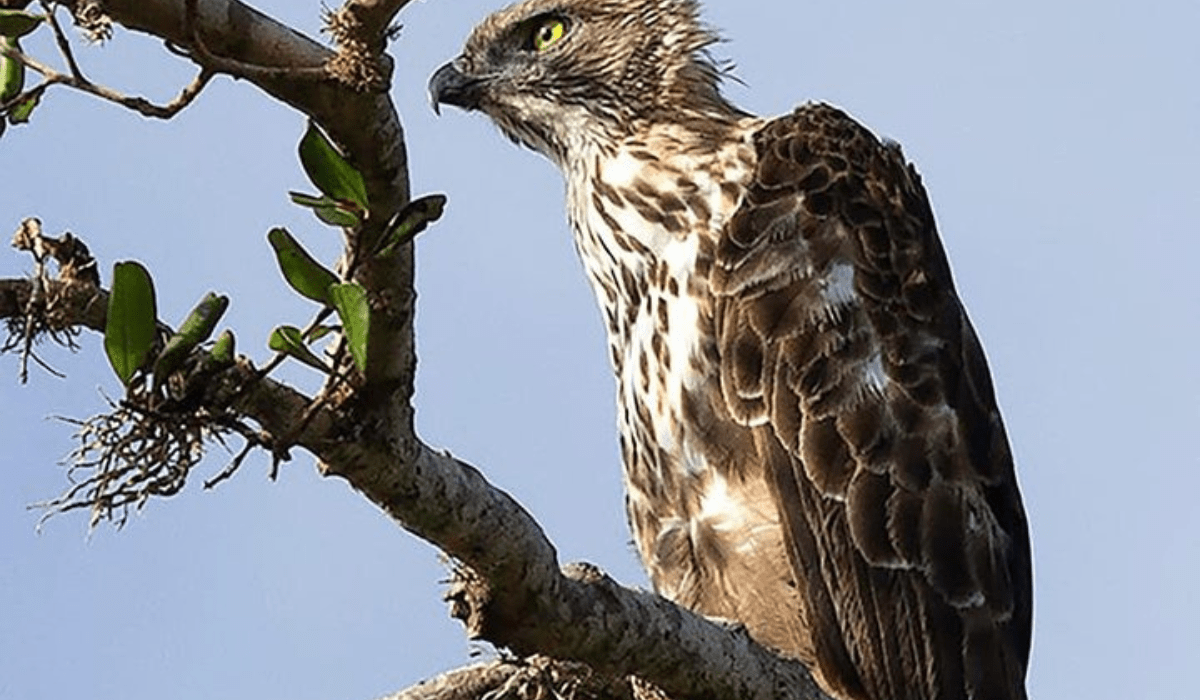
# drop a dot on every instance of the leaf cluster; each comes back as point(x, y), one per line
point(147, 445)
point(132, 335)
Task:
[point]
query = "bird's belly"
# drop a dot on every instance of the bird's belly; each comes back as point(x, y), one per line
point(706, 522)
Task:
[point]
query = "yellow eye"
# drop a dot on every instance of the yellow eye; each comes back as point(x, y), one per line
point(548, 33)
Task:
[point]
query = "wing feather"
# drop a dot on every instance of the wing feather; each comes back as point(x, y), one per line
point(838, 325)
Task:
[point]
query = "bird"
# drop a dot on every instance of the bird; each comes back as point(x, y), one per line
point(809, 432)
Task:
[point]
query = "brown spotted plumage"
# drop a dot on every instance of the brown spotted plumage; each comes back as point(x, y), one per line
point(809, 433)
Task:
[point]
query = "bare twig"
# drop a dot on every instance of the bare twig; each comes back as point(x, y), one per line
point(231, 468)
point(64, 44)
point(138, 104)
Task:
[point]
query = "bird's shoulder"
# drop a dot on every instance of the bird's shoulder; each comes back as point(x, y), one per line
point(822, 177)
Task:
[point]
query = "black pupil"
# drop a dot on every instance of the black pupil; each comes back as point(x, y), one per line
point(546, 32)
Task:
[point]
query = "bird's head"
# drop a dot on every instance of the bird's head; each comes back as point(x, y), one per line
point(554, 73)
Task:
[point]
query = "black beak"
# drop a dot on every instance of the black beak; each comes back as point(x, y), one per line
point(449, 86)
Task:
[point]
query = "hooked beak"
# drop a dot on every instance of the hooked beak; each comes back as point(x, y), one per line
point(450, 86)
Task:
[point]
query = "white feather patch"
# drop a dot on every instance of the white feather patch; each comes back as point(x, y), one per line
point(729, 512)
point(873, 375)
point(837, 290)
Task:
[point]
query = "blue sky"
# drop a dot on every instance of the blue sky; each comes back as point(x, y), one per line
point(1058, 142)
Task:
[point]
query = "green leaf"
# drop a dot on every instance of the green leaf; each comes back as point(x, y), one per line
point(350, 301)
point(337, 216)
point(16, 23)
point(329, 171)
point(195, 329)
point(301, 270)
point(290, 341)
point(308, 200)
point(224, 349)
point(12, 72)
point(131, 323)
point(328, 210)
point(411, 220)
point(318, 332)
point(20, 113)
point(221, 355)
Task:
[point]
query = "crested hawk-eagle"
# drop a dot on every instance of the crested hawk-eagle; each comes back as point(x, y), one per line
point(810, 439)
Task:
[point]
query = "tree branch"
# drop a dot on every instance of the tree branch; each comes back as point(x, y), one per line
point(364, 124)
point(79, 82)
point(536, 677)
point(513, 591)
point(526, 603)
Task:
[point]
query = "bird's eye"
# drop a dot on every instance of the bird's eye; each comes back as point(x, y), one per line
point(547, 33)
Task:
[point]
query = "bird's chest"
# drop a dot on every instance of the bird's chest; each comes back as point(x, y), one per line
point(646, 229)
point(658, 359)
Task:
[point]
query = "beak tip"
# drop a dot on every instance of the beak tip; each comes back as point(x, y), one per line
point(448, 85)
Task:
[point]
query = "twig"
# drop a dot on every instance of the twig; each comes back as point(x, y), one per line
point(138, 104)
point(231, 468)
point(64, 45)
point(253, 438)
point(337, 377)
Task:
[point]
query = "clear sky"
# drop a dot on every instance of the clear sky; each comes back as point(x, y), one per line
point(1059, 142)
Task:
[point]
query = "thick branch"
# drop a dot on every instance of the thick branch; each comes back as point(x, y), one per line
point(537, 677)
point(528, 604)
point(468, 683)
